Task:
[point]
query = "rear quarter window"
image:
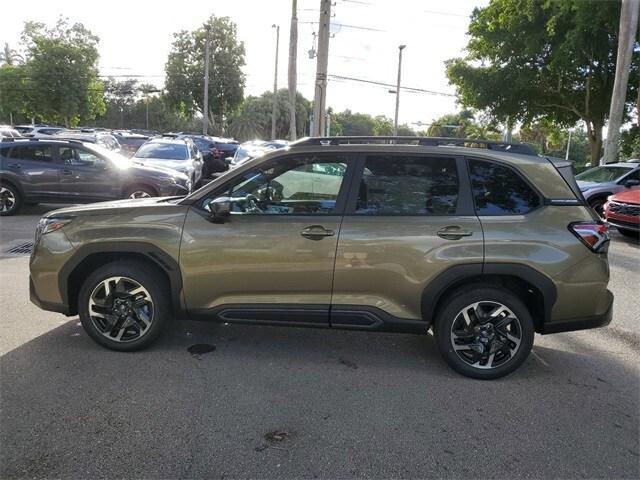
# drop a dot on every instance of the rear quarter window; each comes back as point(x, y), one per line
point(500, 190)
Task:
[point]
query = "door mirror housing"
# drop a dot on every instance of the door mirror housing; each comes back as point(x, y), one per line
point(219, 209)
point(632, 182)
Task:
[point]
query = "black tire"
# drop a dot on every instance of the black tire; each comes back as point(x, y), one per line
point(10, 200)
point(140, 191)
point(149, 278)
point(467, 296)
point(629, 233)
point(597, 204)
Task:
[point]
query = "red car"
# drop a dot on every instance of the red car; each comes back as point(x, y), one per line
point(622, 211)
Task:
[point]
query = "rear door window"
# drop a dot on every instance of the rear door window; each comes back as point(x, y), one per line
point(408, 185)
point(499, 190)
point(34, 153)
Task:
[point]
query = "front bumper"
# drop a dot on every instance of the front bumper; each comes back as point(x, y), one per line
point(633, 226)
point(583, 323)
point(49, 306)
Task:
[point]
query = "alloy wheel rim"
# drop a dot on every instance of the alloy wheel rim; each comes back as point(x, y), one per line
point(139, 194)
point(121, 309)
point(486, 335)
point(7, 200)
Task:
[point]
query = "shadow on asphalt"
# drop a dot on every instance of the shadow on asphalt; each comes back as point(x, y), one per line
point(351, 404)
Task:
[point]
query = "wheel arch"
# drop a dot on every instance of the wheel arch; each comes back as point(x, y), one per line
point(15, 183)
point(535, 289)
point(90, 257)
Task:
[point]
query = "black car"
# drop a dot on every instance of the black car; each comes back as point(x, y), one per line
point(214, 151)
point(58, 171)
point(129, 142)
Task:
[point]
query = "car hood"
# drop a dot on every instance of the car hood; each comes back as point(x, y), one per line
point(114, 206)
point(587, 185)
point(628, 196)
point(180, 165)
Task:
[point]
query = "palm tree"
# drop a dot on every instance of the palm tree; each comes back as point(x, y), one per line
point(8, 56)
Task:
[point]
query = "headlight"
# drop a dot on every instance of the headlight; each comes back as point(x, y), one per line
point(50, 224)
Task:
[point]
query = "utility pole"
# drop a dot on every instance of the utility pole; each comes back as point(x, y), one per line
point(205, 109)
point(293, 60)
point(395, 121)
point(320, 97)
point(566, 156)
point(274, 108)
point(626, 38)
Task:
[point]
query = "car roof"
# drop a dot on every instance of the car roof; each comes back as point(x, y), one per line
point(174, 141)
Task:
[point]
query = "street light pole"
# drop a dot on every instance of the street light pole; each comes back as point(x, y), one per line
point(205, 109)
point(395, 122)
point(274, 109)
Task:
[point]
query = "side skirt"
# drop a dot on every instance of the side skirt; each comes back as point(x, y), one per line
point(343, 317)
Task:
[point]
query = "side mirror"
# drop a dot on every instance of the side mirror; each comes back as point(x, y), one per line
point(219, 209)
point(632, 182)
point(228, 160)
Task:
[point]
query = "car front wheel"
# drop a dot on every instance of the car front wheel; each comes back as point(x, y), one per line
point(124, 305)
point(484, 332)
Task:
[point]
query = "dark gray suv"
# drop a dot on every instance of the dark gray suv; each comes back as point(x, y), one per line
point(58, 171)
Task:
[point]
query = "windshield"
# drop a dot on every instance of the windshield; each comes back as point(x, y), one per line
point(119, 160)
point(603, 174)
point(163, 151)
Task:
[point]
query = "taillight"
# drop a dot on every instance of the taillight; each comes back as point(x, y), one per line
point(595, 235)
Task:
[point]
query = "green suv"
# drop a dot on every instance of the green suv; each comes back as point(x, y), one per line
point(482, 242)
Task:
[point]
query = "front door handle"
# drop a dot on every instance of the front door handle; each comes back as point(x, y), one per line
point(316, 232)
point(15, 165)
point(453, 232)
point(66, 172)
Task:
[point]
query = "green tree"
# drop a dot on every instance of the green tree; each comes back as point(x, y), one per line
point(253, 120)
point(553, 59)
point(61, 72)
point(13, 91)
point(8, 56)
point(185, 70)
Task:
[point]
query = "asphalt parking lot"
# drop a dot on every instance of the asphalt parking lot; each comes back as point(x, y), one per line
point(273, 402)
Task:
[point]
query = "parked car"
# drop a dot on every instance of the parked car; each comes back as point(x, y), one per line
point(99, 137)
point(179, 154)
point(7, 131)
point(214, 151)
point(484, 246)
point(58, 171)
point(254, 149)
point(597, 183)
point(129, 142)
point(38, 131)
point(622, 211)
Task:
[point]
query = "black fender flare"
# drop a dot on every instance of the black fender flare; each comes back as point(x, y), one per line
point(152, 253)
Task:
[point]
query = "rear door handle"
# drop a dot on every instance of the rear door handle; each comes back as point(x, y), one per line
point(453, 232)
point(15, 165)
point(66, 172)
point(316, 232)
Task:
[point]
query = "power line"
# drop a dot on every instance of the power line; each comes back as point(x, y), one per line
point(383, 84)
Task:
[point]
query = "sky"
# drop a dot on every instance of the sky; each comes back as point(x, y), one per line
point(135, 39)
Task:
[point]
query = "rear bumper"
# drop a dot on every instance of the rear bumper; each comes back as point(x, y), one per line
point(584, 323)
point(49, 306)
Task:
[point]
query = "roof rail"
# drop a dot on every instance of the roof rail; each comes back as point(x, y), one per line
point(496, 145)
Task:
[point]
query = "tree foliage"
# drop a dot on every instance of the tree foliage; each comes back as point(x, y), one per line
point(552, 59)
point(253, 120)
point(355, 123)
point(61, 75)
point(186, 64)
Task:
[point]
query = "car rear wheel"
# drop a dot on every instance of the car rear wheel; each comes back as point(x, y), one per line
point(484, 332)
point(124, 305)
point(10, 200)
